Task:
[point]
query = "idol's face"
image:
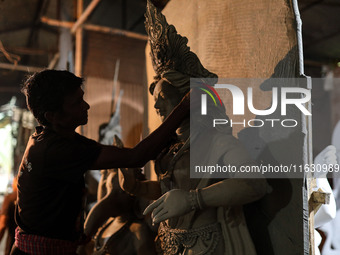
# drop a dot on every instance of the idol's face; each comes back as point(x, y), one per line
point(166, 98)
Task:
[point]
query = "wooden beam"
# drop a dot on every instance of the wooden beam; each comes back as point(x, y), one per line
point(108, 30)
point(320, 197)
point(116, 31)
point(311, 184)
point(54, 60)
point(78, 62)
point(85, 15)
point(30, 51)
point(29, 69)
point(56, 23)
point(48, 29)
point(79, 42)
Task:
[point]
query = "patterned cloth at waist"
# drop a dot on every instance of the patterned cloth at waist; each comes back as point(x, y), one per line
point(40, 245)
point(178, 241)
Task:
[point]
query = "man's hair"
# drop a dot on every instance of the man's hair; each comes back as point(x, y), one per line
point(45, 91)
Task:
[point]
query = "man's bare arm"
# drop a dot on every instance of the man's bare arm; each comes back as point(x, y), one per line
point(148, 148)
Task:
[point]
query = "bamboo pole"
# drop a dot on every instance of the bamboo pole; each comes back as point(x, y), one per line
point(84, 15)
point(29, 51)
point(116, 31)
point(29, 69)
point(56, 23)
point(53, 62)
point(79, 42)
point(79, 45)
point(96, 28)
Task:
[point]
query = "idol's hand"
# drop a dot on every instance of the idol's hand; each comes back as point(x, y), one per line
point(174, 203)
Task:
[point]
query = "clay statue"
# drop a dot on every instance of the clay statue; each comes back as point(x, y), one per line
point(196, 216)
point(117, 219)
point(326, 159)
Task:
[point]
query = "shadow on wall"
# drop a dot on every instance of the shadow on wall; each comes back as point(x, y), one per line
point(276, 221)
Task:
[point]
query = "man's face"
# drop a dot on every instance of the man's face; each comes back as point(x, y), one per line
point(74, 111)
point(166, 98)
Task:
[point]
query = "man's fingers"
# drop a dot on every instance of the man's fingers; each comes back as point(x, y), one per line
point(122, 173)
point(126, 181)
point(121, 177)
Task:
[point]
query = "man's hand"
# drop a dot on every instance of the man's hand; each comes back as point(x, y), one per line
point(191, 100)
point(174, 203)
